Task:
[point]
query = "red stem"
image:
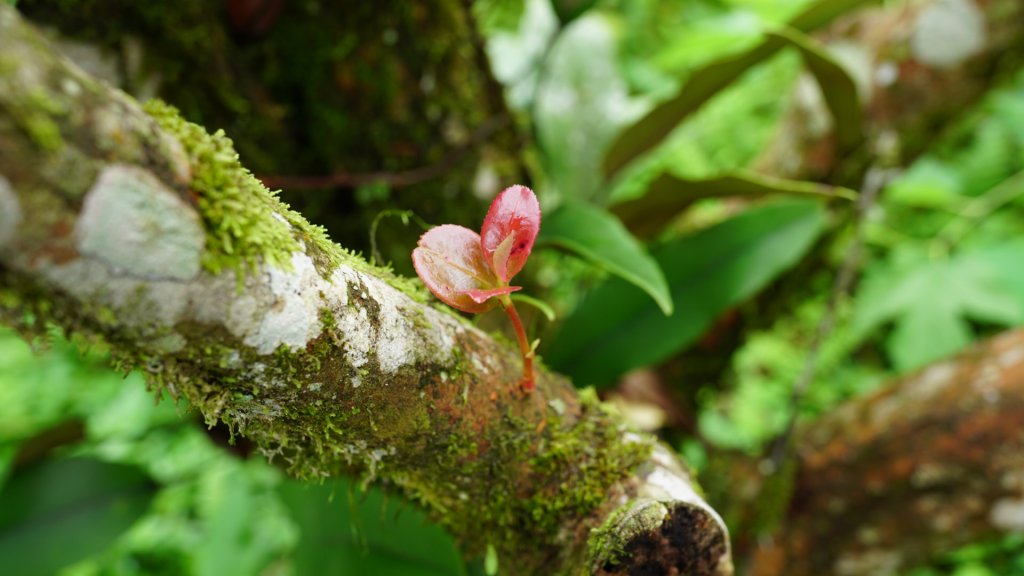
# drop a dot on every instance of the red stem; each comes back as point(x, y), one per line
point(524, 346)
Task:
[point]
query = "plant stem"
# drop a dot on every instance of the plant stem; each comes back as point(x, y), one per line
point(524, 345)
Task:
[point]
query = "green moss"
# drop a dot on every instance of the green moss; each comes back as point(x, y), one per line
point(38, 121)
point(35, 111)
point(604, 544)
point(239, 213)
point(237, 210)
point(537, 481)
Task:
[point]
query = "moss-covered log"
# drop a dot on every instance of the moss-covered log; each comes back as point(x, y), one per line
point(927, 464)
point(139, 228)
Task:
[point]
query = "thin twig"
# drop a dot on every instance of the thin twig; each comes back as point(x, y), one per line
point(874, 181)
point(393, 179)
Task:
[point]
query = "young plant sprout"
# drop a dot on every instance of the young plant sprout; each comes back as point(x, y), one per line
point(471, 271)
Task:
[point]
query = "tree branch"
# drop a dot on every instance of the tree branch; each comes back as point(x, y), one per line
point(143, 230)
point(927, 464)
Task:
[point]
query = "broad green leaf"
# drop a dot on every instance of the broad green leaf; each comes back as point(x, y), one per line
point(929, 301)
point(58, 512)
point(1006, 258)
point(616, 328)
point(669, 194)
point(581, 101)
point(238, 516)
point(345, 531)
point(838, 88)
point(7, 454)
point(569, 10)
point(707, 81)
point(699, 87)
point(599, 237)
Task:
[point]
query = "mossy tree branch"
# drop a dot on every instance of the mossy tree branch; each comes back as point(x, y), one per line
point(140, 228)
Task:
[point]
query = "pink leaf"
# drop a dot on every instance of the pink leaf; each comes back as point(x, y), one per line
point(509, 230)
point(481, 296)
point(450, 262)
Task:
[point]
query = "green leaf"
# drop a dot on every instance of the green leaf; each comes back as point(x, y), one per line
point(669, 194)
point(345, 532)
point(582, 82)
point(498, 15)
point(58, 512)
point(705, 82)
point(569, 10)
point(929, 301)
point(927, 184)
point(616, 329)
point(838, 88)
point(599, 237)
point(491, 561)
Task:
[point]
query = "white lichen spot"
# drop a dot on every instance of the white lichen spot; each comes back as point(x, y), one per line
point(1011, 357)
point(10, 212)
point(358, 334)
point(886, 74)
point(987, 381)
point(314, 386)
point(396, 342)
point(70, 87)
point(668, 481)
point(293, 318)
point(934, 380)
point(243, 314)
point(875, 562)
point(1008, 514)
point(150, 304)
point(135, 224)
point(948, 32)
point(176, 156)
point(169, 343)
point(933, 474)
point(338, 293)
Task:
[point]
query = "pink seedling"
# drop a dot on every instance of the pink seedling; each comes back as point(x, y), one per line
point(471, 272)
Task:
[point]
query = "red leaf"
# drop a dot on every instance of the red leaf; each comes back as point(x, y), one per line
point(509, 230)
point(480, 296)
point(450, 262)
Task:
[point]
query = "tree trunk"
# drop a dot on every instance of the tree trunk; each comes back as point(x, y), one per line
point(140, 228)
point(927, 464)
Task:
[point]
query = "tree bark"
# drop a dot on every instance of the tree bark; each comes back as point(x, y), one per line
point(927, 464)
point(139, 228)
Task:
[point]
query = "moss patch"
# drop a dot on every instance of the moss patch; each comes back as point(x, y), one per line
point(238, 211)
point(539, 480)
